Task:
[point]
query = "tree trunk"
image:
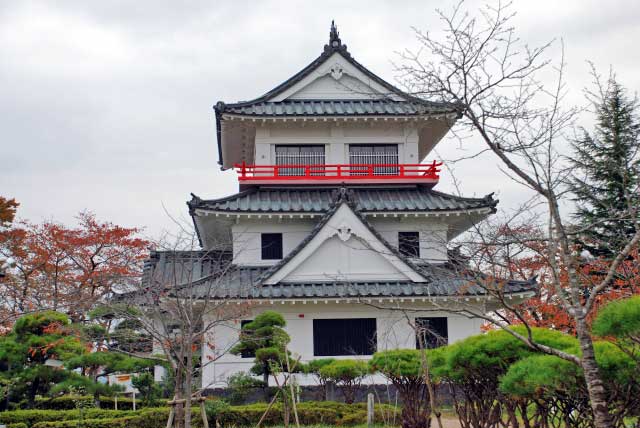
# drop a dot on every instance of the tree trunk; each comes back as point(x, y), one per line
point(179, 395)
point(595, 386)
point(265, 380)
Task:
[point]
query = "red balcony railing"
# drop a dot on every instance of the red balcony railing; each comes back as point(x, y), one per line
point(364, 173)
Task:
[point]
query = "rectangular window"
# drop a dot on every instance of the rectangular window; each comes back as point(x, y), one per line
point(409, 244)
point(380, 157)
point(271, 246)
point(299, 158)
point(349, 336)
point(434, 332)
point(246, 354)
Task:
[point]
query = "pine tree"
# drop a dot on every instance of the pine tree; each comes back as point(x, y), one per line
point(606, 171)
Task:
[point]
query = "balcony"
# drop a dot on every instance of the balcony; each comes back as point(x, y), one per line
point(381, 173)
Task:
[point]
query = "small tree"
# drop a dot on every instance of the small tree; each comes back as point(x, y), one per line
point(314, 367)
point(473, 368)
point(404, 369)
point(178, 304)
point(556, 391)
point(149, 389)
point(605, 176)
point(347, 375)
point(32, 355)
point(102, 363)
point(265, 338)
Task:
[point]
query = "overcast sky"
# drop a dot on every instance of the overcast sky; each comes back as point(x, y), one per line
point(107, 105)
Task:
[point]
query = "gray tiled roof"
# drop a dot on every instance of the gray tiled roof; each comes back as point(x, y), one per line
point(366, 107)
point(241, 283)
point(319, 200)
point(379, 289)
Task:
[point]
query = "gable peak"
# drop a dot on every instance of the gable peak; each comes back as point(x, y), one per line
point(335, 43)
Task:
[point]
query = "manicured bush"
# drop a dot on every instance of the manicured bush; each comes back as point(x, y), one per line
point(403, 368)
point(347, 375)
point(143, 419)
point(18, 425)
point(309, 413)
point(473, 368)
point(32, 417)
point(240, 386)
point(69, 402)
point(620, 319)
point(313, 367)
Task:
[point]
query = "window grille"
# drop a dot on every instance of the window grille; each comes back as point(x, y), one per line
point(378, 154)
point(304, 156)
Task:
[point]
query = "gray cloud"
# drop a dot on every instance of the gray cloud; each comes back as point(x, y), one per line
point(106, 106)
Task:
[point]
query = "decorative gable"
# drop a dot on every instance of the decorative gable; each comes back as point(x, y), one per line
point(337, 78)
point(344, 249)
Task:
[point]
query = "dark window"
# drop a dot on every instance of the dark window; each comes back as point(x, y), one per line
point(434, 332)
point(350, 336)
point(311, 156)
point(409, 243)
point(246, 354)
point(271, 246)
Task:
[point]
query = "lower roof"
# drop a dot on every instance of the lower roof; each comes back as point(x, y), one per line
point(245, 282)
point(320, 199)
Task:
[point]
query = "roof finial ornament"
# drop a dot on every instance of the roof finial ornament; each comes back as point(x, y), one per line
point(335, 44)
point(334, 36)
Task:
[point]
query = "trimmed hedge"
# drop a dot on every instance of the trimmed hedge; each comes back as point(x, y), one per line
point(70, 402)
point(144, 419)
point(32, 417)
point(310, 413)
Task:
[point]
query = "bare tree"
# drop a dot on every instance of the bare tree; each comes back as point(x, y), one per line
point(180, 301)
point(501, 88)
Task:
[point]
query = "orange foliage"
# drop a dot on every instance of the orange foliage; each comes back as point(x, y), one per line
point(545, 309)
point(67, 269)
point(7, 211)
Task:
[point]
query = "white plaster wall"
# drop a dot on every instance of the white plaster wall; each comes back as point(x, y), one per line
point(433, 234)
point(393, 332)
point(350, 260)
point(336, 138)
point(247, 244)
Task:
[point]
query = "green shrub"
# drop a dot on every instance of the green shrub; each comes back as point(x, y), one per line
point(347, 375)
point(309, 413)
point(215, 408)
point(143, 419)
point(620, 319)
point(18, 425)
point(32, 417)
point(240, 385)
point(69, 402)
